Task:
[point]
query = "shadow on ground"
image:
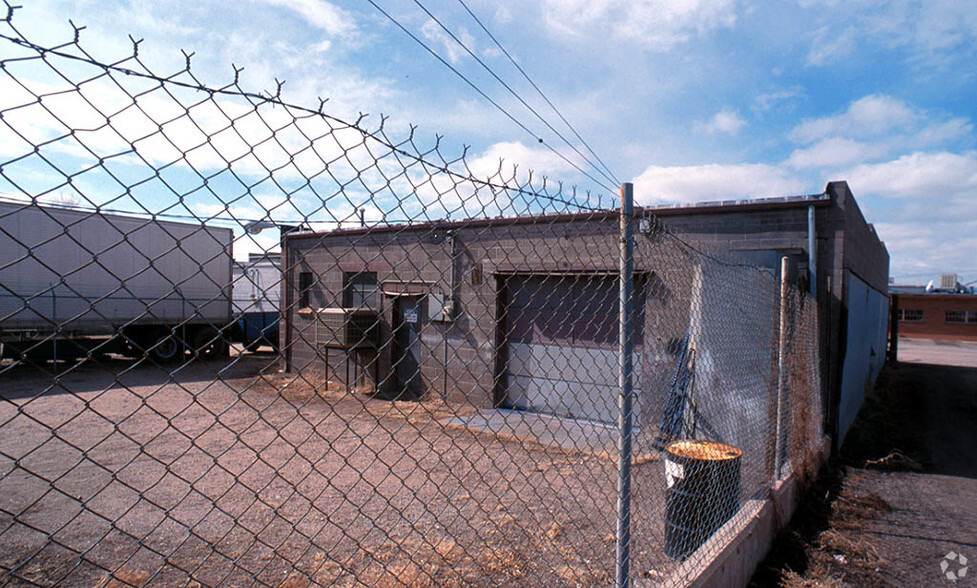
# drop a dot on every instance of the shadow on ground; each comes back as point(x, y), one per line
point(31, 379)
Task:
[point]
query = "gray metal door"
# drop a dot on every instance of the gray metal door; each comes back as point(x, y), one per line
point(407, 346)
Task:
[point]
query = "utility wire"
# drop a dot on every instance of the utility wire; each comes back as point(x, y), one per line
point(601, 183)
point(538, 90)
point(513, 92)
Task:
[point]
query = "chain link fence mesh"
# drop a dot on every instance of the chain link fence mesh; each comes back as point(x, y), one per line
point(410, 378)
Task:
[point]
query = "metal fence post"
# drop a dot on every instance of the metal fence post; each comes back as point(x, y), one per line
point(626, 388)
point(54, 317)
point(778, 453)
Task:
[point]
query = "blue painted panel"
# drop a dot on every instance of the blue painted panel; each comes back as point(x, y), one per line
point(864, 348)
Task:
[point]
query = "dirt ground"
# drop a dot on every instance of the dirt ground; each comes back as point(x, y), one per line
point(227, 472)
point(903, 493)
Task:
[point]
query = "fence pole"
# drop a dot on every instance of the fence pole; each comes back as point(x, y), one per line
point(54, 317)
point(626, 387)
point(778, 452)
point(893, 351)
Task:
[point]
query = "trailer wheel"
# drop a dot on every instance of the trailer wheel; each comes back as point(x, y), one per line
point(167, 348)
point(208, 343)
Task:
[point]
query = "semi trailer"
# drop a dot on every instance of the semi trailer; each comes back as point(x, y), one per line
point(76, 283)
point(257, 295)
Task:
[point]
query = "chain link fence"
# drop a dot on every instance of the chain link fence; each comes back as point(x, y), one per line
point(250, 343)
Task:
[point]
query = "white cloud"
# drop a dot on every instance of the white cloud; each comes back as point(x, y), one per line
point(492, 52)
point(658, 25)
point(920, 252)
point(928, 177)
point(726, 121)
point(830, 46)
point(870, 116)
point(932, 33)
point(905, 237)
point(321, 15)
point(541, 161)
point(510, 164)
point(938, 133)
point(697, 183)
point(834, 152)
point(433, 32)
point(870, 129)
point(767, 101)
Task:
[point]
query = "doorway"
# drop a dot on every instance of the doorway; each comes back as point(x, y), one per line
point(408, 318)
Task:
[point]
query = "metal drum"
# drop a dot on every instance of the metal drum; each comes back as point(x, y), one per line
point(703, 492)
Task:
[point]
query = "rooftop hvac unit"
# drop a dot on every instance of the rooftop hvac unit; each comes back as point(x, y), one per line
point(948, 281)
point(347, 327)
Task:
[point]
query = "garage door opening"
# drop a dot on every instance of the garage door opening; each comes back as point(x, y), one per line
point(559, 344)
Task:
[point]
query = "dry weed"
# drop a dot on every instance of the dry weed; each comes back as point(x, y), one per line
point(857, 547)
point(816, 577)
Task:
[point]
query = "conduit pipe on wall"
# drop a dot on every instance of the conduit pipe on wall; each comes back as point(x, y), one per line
point(812, 252)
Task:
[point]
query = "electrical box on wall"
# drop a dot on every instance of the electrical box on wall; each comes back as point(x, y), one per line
point(440, 308)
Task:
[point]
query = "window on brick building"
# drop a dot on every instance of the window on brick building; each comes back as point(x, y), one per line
point(305, 286)
point(961, 317)
point(911, 315)
point(360, 290)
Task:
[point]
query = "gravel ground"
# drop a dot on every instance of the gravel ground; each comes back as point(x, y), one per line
point(228, 473)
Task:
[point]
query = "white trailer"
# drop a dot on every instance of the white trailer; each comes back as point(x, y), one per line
point(74, 282)
point(257, 296)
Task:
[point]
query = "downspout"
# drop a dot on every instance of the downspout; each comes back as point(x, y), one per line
point(286, 310)
point(812, 253)
point(449, 308)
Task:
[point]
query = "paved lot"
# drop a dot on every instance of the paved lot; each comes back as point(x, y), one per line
point(225, 472)
point(938, 352)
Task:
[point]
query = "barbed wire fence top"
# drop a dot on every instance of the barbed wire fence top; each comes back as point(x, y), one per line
point(412, 377)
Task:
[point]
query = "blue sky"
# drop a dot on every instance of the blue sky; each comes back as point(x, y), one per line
point(692, 100)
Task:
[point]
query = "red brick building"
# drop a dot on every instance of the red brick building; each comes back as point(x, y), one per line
point(935, 314)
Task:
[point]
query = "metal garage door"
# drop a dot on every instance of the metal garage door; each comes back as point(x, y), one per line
point(561, 339)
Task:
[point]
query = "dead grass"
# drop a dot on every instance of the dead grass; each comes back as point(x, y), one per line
point(817, 577)
point(829, 546)
point(851, 511)
point(897, 461)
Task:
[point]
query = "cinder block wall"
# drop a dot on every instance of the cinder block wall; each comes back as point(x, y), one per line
point(420, 256)
point(466, 368)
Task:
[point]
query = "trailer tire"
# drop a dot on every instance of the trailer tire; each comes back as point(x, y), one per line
point(208, 343)
point(167, 349)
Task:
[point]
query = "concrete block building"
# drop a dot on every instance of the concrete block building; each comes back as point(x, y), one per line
point(522, 312)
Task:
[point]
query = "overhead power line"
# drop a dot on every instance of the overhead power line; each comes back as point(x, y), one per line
point(517, 122)
point(538, 90)
point(515, 94)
